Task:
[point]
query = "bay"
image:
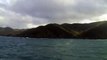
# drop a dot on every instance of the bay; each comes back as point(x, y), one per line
point(16, 48)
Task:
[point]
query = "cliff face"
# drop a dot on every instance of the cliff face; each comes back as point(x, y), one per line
point(95, 30)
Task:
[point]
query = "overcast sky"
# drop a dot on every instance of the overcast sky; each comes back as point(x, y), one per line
point(32, 13)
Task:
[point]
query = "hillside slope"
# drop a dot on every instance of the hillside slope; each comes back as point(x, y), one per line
point(94, 30)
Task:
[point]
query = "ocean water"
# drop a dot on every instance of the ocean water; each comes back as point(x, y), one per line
point(12, 48)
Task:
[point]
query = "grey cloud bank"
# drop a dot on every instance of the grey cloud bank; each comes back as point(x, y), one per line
point(38, 12)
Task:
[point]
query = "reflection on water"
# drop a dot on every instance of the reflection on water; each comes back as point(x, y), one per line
point(52, 49)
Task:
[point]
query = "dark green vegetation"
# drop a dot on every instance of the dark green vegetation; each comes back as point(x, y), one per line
point(96, 30)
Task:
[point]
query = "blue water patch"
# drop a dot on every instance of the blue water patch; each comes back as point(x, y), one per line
point(15, 48)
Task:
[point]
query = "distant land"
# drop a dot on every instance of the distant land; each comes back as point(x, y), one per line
point(95, 30)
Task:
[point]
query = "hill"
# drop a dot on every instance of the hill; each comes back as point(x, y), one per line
point(7, 31)
point(96, 30)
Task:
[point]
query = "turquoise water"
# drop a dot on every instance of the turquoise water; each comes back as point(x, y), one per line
point(52, 49)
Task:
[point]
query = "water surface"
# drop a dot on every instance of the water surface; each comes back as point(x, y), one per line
point(52, 49)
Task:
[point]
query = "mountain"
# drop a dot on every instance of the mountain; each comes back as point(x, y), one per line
point(96, 30)
point(7, 31)
point(48, 31)
point(99, 31)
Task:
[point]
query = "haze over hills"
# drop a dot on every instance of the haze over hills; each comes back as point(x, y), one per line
point(96, 30)
point(7, 31)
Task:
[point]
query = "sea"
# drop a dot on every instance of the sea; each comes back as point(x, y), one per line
point(16, 48)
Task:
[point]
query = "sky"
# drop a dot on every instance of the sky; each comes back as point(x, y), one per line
point(32, 13)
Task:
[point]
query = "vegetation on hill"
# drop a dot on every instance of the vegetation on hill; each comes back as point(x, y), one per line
point(96, 30)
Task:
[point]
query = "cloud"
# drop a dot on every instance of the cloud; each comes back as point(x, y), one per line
point(15, 20)
point(27, 13)
point(10, 19)
point(61, 9)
